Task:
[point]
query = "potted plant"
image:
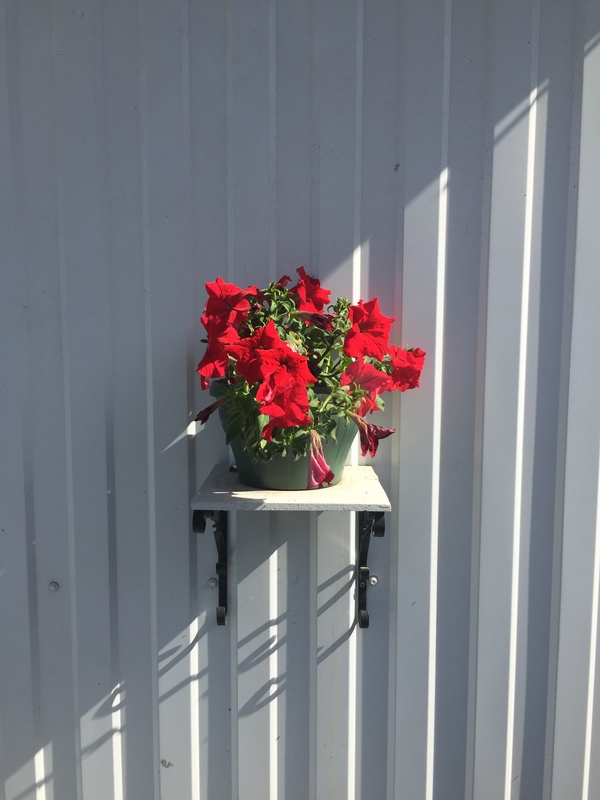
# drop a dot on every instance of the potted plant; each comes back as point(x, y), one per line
point(297, 376)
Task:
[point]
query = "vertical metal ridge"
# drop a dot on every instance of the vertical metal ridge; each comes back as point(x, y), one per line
point(391, 725)
point(194, 626)
point(229, 138)
point(4, 104)
point(563, 399)
point(186, 111)
point(273, 140)
point(191, 252)
point(147, 278)
point(589, 722)
point(357, 261)
point(111, 512)
point(68, 418)
point(312, 661)
point(354, 648)
point(480, 371)
point(232, 619)
point(195, 743)
point(437, 401)
point(354, 678)
point(273, 669)
point(521, 400)
point(357, 246)
point(392, 721)
point(314, 144)
point(11, 73)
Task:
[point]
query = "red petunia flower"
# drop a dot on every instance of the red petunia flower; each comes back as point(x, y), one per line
point(362, 375)
point(319, 471)
point(370, 331)
point(214, 362)
point(255, 355)
point(287, 407)
point(369, 434)
point(407, 367)
point(227, 302)
point(311, 296)
point(283, 395)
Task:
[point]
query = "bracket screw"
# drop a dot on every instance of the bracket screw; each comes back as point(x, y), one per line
point(53, 586)
point(373, 580)
point(213, 583)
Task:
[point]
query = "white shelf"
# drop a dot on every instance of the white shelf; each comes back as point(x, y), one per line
point(359, 490)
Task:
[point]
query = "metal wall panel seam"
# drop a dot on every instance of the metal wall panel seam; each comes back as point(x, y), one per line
point(66, 375)
point(479, 420)
point(229, 137)
point(151, 449)
point(274, 732)
point(274, 672)
point(312, 661)
point(193, 631)
point(593, 652)
point(4, 102)
point(521, 401)
point(10, 784)
point(586, 245)
point(355, 648)
point(354, 726)
point(232, 620)
point(194, 626)
point(563, 403)
point(273, 272)
point(396, 407)
point(314, 146)
point(116, 716)
point(395, 532)
point(444, 179)
point(510, 88)
point(357, 264)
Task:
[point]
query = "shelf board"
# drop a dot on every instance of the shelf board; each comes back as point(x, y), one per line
point(359, 490)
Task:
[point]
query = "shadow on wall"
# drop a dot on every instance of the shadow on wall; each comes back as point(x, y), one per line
point(119, 699)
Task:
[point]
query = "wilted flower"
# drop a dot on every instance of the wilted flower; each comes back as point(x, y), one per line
point(369, 434)
point(319, 471)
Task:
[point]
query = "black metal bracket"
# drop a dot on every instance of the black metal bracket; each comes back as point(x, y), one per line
point(219, 520)
point(369, 523)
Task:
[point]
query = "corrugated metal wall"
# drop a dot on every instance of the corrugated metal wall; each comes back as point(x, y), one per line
point(440, 155)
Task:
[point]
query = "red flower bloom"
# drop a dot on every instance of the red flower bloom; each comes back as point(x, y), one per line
point(369, 434)
point(319, 471)
point(287, 408)
point(214, 362)
point(370, 331)
point(362, 375)
point(281, 369)
point(283, 375)
point(256, 355)
point(407, 367)
point(227, 302)
point(311, 296)
point(282, 394)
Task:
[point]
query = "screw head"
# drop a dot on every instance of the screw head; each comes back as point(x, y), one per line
point(53, 586)
point(373, 580)
point(213, 583)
